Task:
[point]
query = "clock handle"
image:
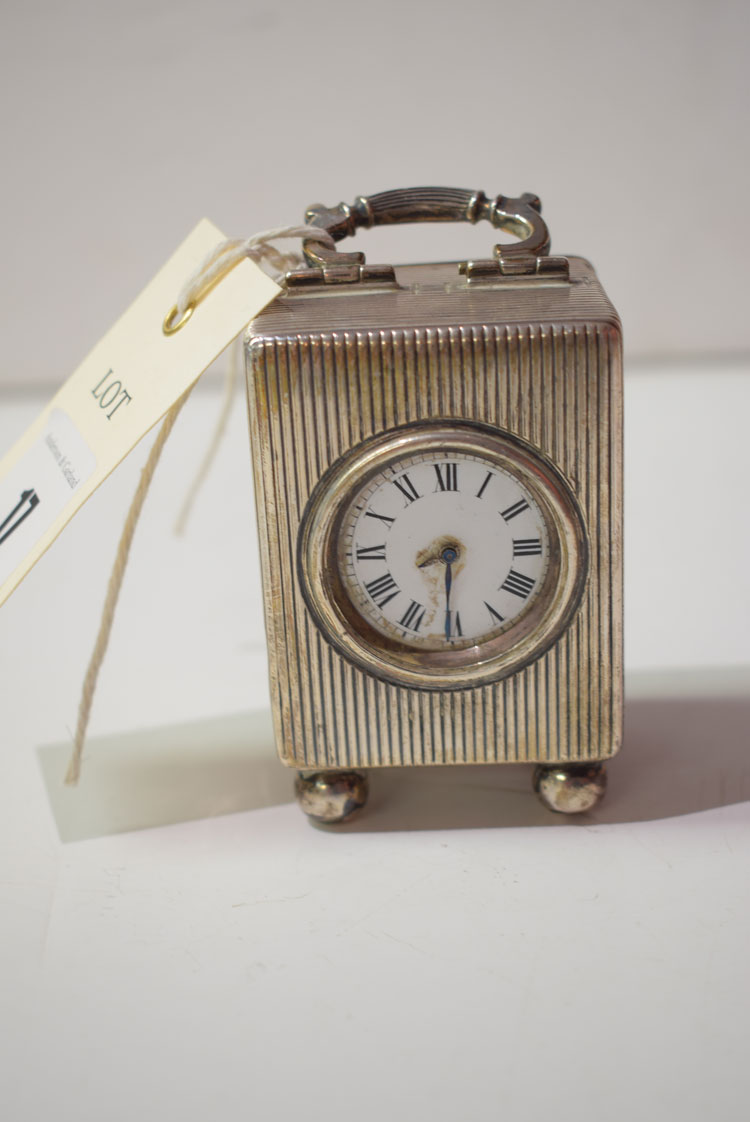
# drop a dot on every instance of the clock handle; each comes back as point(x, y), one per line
point(520, 217)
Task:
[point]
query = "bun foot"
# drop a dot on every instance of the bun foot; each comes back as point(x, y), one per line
point(331, 797)
point(570, 788)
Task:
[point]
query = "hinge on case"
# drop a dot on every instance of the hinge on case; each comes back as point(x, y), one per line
point(342, 274)
point(515, 265)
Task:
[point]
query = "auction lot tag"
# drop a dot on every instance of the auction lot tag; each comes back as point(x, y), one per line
point(134, 374)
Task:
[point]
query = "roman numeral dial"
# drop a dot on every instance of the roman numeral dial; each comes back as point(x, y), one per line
point(413, 616)
point(518, 584)
point(407, 488)
point(447, 477)
point(437, 555)
point(515, 509)
point(382, 590)
point(527, 547)
point(441, 551)
point(371, 553)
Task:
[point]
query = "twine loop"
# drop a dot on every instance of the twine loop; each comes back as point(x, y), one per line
point(227, 255)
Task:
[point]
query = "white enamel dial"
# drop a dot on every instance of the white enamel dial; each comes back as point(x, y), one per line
point(442, 550)
point(442, 555)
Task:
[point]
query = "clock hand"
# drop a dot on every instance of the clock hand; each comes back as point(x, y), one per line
point(448, 556)
point(448, 582)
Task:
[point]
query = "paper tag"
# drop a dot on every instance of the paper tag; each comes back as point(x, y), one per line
point(126, 384)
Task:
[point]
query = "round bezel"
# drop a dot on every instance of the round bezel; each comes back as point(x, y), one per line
point(526, 637)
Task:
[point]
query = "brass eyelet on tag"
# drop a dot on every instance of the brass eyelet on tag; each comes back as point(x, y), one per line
point(171, 324)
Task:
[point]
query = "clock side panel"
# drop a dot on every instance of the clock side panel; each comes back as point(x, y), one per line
point(312, 398)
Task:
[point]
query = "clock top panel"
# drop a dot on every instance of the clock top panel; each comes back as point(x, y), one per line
point(436, 295)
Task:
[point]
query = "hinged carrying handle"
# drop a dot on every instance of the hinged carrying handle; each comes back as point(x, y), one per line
point(520, 217)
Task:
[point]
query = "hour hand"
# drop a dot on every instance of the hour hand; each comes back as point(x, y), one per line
point(439, 551)
point(448, 585)
point(448, 557)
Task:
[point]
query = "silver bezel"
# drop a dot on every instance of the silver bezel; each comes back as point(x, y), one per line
point(528, 635)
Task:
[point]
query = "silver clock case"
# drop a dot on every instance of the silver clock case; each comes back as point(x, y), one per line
point(334, 369)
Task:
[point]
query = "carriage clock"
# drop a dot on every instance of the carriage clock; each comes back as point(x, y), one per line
point(437, 457)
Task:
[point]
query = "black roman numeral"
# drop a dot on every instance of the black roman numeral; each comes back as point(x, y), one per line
point(481, 490)
point(412, 617)
point(453, 625)
point(447, 477)
point(371, 553)
point(518, 583)
point(380, 589)
point(407, 488)
point(383, 517)
point(516, 508)
point(526, 547)
point(493, 613)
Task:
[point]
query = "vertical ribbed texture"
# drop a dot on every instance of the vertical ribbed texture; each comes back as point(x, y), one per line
point(317, 396)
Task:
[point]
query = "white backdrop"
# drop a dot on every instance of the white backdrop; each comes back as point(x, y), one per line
point(122, 124)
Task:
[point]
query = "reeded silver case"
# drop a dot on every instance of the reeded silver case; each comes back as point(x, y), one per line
point(330, 367)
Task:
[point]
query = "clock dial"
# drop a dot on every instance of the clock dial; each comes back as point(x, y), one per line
point(442, 550)
point(442, 555)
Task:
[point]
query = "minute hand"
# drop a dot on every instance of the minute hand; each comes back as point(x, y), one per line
point(448, 585)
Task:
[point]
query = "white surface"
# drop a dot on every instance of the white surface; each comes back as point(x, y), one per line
point(459, 953)
point(122, 124)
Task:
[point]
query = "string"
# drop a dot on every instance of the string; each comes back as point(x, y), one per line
point(230, 385)
point(230, 252)
point(216, 265)
point(113, 590)
point(208, 274)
